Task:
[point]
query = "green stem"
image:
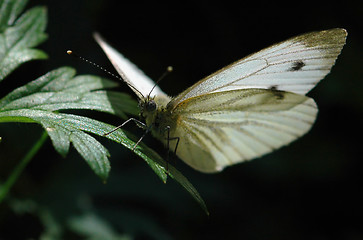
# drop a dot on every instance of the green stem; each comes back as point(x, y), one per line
point(5, 188)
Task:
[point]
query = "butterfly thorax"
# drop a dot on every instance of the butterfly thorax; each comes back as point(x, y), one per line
point(153, 112)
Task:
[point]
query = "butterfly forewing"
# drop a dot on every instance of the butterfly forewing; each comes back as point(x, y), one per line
point(221, 129)
point(295, 65)
point(130, 73)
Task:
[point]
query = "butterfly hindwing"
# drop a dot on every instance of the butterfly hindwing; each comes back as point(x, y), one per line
point(241, 125)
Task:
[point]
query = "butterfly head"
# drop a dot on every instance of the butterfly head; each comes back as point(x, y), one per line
point(148, 105)
point(151, 107)
point(148, 109)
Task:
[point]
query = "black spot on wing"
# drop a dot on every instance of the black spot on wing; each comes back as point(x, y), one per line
point(297, 65)
point(278, 94)
point(273, 87)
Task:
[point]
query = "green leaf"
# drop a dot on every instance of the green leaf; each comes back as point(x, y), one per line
point(9, 11)
point(39, 101)
point(59, 90)
point(66, 128)
point(18, 36)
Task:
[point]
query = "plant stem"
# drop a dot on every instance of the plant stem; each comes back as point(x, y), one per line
point(5, 188)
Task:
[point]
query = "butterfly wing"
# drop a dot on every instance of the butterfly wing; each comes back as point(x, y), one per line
point(220, 129)
point(295, 65)
point(130, 73)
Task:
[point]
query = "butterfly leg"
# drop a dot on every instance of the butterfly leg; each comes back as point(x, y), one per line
point(142, 137)
point(138, 123)
point(167, 145)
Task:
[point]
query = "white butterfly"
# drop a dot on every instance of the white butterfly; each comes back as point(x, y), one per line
point(243, 111)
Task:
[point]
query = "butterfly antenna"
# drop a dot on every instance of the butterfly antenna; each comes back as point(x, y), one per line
point(168, 70)
point(70, 52)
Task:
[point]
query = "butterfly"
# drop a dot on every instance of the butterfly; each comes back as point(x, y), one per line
point(243, 111)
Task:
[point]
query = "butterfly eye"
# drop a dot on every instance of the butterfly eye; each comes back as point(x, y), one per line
point(150, 106)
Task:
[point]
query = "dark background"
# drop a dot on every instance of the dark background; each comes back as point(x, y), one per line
point(308, 190)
